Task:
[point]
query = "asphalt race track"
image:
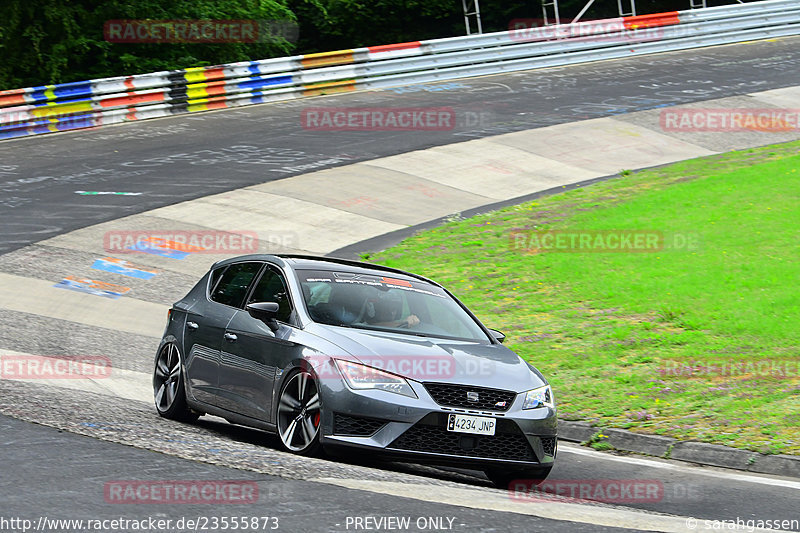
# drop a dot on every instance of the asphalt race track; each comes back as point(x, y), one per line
point(83, 440)
point(166, 159)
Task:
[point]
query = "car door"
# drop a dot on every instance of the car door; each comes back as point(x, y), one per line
point(252, 352)
point(205, 327)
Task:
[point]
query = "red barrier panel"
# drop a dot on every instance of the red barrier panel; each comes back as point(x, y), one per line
point(651, 21)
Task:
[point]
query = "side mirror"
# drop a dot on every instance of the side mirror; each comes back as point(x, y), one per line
point(267, 312)
point(499, 336)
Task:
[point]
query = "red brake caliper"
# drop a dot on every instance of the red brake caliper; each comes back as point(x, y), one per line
point(316, 420)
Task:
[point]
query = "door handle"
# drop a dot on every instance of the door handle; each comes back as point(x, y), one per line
point(230, 337)
point(192, 325)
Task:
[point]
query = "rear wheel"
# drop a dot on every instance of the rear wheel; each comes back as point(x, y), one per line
point(530, 477)
point(299, 414)
point(168, 386)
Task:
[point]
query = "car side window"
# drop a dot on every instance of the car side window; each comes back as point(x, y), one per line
point(272, 288)
point(232, 287)
point(216, 274)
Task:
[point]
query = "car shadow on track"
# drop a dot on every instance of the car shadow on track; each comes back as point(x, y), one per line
point(248, 435)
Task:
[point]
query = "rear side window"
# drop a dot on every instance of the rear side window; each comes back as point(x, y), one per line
point(215, 276)
point(232, 287)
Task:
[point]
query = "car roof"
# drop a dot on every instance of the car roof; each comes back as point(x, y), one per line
point(313, 262)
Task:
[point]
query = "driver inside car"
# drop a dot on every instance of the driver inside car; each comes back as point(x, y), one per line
point(386, 311)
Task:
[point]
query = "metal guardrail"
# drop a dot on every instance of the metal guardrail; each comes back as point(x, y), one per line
point(51, 108)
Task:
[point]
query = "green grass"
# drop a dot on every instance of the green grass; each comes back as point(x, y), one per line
point(605, 327)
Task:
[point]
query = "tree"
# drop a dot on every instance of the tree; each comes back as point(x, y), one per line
point(52, 41)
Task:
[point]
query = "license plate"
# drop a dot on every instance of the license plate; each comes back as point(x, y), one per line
point(477, 425)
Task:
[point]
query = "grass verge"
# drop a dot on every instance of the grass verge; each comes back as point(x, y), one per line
point(698, 340)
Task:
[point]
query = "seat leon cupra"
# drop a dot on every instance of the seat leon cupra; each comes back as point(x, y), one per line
point(337, 356)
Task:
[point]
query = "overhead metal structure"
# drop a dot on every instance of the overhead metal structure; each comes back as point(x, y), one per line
point(626, 8)
point(550, 13)
point(472, 16)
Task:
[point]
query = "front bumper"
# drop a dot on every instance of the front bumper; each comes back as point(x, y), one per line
point(414, 429)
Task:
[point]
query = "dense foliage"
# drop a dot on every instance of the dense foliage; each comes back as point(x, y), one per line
point(53, 41)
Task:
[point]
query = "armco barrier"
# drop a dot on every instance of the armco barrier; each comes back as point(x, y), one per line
point(68, 106)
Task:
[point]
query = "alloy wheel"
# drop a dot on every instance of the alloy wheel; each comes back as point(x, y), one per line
point(299, 413)
point(168, 387)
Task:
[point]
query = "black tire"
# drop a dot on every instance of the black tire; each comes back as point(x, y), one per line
point(298, 414)
point(169, 391)
point(502, 478)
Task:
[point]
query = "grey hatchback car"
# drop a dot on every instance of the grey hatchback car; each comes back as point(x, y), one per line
point(341, 356)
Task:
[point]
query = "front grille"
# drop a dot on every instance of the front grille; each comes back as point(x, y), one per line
point(549, 445)
point(355, 426)
point(456, 396)
point(430, 435)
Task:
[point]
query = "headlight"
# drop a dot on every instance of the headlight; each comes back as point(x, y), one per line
point(362, 377)
point(541, 397)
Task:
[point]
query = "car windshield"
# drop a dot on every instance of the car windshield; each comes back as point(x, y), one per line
point(378, 302)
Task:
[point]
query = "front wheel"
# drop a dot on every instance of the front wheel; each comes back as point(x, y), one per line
point(530, 477)
point(299, 414)
point(168, 386)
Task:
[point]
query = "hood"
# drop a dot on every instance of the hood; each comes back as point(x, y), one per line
point(437, 360)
